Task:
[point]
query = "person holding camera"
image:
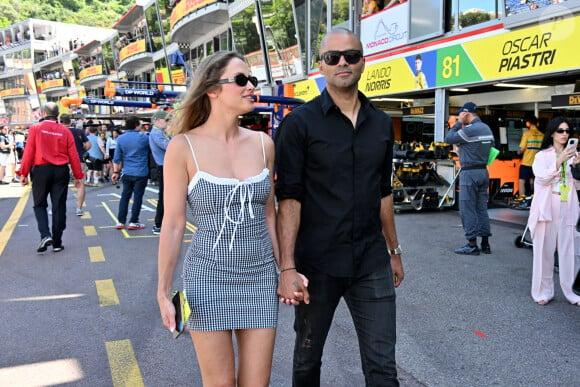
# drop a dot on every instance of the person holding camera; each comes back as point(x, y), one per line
point(554, 213)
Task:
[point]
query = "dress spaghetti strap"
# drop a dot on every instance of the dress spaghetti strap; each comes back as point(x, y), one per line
point(263, 150)
point(193, 153)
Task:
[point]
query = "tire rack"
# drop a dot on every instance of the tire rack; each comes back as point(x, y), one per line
point(408, 196)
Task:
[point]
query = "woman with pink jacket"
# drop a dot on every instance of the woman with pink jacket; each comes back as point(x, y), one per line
point(554, 213)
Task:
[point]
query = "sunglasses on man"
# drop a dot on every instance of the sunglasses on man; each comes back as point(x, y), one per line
point(240, 80)
point(332, 58)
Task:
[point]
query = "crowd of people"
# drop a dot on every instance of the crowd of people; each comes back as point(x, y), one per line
point(515, 7)
point(130, 37)
point(86, 61)
point(96, 144)
point(55, 74)
point(11, 149)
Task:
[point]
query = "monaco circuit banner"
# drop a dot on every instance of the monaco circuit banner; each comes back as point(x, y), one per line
point(538, 50)
point(385, 30)
point(541, 49)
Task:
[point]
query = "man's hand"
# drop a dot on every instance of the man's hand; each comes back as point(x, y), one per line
point(78, 183)
point(397, 267)
point(293, 288)
point(23, 180)
point(115, 177)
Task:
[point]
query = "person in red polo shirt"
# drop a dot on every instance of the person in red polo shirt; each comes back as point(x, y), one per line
point(48, 151)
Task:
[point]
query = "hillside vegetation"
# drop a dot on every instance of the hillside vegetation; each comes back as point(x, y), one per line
point(96, 13)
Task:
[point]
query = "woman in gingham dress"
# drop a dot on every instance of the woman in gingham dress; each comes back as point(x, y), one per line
point(224, 172)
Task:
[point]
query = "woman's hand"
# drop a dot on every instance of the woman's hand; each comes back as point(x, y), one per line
point(566, 155)
point(167, 313)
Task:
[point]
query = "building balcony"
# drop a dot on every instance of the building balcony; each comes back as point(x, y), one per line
point(54, 87)
point(17, 92)
point(135, 56)
point(92, 76)
point(193, 20)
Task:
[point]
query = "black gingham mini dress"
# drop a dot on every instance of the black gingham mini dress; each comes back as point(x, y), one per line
point(229, 272)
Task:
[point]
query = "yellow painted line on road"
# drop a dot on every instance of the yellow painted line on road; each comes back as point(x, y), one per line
point(126, 234)
point(115, 220)
point(86, 215)
point(124, 367)
point(96, 254)
point(12, 221)
point(106, 292)
point(90, 230)
point(188, 225)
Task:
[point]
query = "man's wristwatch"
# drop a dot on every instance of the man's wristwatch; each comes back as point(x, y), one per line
point(396, 251)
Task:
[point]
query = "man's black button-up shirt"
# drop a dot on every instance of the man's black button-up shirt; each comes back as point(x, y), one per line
point(339, 174)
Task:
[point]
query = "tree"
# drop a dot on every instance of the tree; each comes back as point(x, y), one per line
point(472, 18)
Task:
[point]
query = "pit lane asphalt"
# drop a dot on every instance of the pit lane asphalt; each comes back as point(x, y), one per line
point(462, 320)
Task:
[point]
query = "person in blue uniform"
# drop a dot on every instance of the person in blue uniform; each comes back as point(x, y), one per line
point(474, 140)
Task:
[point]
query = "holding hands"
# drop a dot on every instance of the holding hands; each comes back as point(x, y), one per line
point(293, 287)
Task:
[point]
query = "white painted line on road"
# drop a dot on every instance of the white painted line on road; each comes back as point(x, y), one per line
point(110, 194)
point(46, 373)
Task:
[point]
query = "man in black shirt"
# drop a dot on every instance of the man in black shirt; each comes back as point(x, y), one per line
point(336, 220)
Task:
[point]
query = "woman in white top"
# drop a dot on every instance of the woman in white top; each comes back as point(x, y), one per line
point(553, 213)
point(112, 143)
point(224, 173)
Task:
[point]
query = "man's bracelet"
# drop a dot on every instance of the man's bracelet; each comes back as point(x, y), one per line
point(115, 172)
point(290, 268)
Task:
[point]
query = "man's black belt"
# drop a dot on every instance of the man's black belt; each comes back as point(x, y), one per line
point(470, 167)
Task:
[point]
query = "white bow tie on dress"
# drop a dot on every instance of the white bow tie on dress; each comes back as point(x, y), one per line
point(246, 190)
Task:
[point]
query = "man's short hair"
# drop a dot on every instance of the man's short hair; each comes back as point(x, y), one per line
point(533, 120)
point(51, 109)
point(93, 129)
point(132, 122)
point(65, 119)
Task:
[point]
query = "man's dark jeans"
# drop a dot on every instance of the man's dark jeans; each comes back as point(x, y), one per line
point(50, 180)
point(132, 185)
point(371, 301)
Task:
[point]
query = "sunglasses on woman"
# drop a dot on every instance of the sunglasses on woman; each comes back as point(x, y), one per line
point(563, 131)
point(240, 80)
point(332, 58)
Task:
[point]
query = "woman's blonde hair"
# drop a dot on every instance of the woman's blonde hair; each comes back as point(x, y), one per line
point(195, 106)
